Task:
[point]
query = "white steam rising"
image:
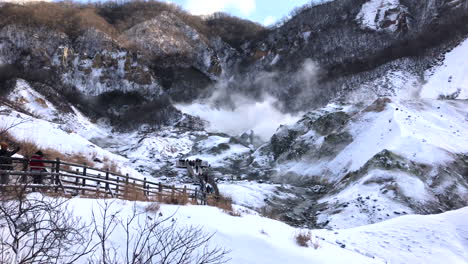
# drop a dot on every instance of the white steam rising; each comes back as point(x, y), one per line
point(261, 117)
point(235, 113)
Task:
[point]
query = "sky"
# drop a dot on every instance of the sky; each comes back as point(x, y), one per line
point(265, 12)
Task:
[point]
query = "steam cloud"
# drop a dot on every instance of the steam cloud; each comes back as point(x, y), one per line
point(235, 113)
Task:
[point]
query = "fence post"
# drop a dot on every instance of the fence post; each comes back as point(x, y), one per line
point(136, 193)
point(57, 177)
point(107, 181)
point(84, 180)
point(117, 188)
point(24, 178)
point(98, 186)
point(144, 187)
point(76, 178)
point(173, 193)
point(126, 191)
point(160, 189)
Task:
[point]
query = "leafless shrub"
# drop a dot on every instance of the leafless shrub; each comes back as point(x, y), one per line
point(69, 18)
point(234, 30)
point(303, 238)
point(6, 137)
point(5, 129)
point(40, 229)
point(151, 240)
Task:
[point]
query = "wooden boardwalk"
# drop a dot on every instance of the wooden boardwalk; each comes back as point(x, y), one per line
point(199, 171)
point(79, 179)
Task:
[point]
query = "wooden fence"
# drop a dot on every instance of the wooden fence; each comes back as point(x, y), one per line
point(80, 179)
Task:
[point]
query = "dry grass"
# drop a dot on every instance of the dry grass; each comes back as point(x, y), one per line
point(112, 167)
point(42, 102)
point(80, 158)
point(303, 238)
point(177, 198)
point(133, 192)
point(52, 154)
point(5, 136)
point(378, 105)
point(27, 148)
point(152, 208)
point(224, 203)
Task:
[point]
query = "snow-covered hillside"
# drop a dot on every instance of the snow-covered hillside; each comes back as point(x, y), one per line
point(383, 15)
point(450, 78)
point(254, 239)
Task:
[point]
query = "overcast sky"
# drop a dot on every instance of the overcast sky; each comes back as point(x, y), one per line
point(262, 11)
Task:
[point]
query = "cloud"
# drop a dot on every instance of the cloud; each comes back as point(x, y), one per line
point(206, 7)
point(269, 20)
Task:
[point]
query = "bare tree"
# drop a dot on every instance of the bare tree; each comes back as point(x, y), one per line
point(39, 229)
point(6, 127)
point(153, 239)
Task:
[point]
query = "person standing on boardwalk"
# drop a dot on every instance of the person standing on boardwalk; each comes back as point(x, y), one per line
point(37, 165)
point(6, 162)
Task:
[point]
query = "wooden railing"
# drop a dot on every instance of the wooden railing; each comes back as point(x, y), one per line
point(80, 179)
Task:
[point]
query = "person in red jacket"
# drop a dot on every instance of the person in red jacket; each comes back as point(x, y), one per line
point(36, 165)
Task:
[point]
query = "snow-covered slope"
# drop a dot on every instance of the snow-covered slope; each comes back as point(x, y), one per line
point(33, 118)
point(441, 238)
point(254, 239)
point(450, 78)
point(383, 15)
point(377, 161)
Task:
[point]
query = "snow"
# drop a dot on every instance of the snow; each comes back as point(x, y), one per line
point(68, 133)
point(449, 77)
point(368, 195)
point(34, 102)
point(425, 131)
point(306, 35)
point(374, 11)
point(246, 193)
point(251, 238)
point(439, 238)
point(275, 59)
point(255, 239)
